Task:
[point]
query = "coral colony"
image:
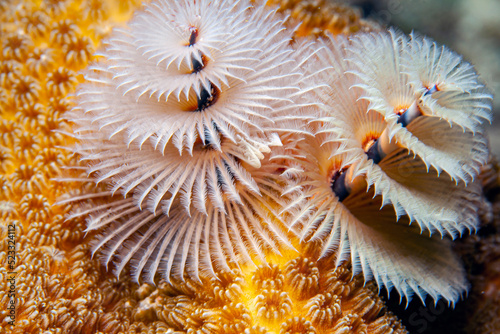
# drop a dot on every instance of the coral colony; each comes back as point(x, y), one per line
point(221, 142)
point(251, 178)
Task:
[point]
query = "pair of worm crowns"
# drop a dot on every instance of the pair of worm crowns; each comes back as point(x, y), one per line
point(218, 141)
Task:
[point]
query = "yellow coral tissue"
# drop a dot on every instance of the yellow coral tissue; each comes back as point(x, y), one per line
point(213, 166)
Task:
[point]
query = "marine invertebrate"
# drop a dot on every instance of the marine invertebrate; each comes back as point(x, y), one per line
point(273, 305)
point(27, 90)
point(361, 129)
point(78, 50)
point(35, 207)
point(349, 230)
point(324, 309)
point(236, 318)
point(215, 81)
point(9, 72)
point(37, 23)
point(196, 242)
point(16, 46)
point(181, 127)
point(268, 277)
point(62, 32)
point(439, 85)
point(303, 275)
point(358, 149)
point(61, 80)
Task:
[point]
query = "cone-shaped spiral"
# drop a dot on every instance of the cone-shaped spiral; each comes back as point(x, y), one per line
point(432, 100)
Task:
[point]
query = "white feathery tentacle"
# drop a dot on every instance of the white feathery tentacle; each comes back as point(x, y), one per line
point(175, 243)
point(397, 256)
point(183, 72)
point(399, 188)
point(456, 95)
point(380, 244)
point(443, 90)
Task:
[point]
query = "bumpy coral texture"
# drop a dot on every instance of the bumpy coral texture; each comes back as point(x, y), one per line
point(319, 16)
point(59, 287)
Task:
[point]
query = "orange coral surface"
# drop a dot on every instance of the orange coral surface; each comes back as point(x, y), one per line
point(317, 16)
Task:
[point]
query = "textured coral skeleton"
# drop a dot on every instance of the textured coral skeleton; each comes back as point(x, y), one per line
point(255, 209)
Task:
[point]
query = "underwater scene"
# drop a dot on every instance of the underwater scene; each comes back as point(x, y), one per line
point(249, 166)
